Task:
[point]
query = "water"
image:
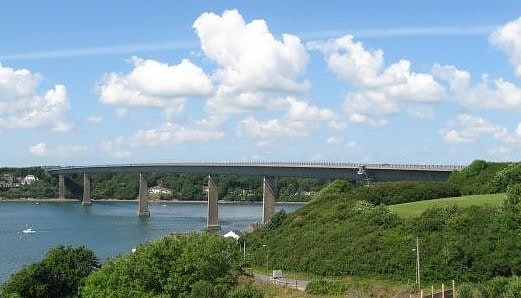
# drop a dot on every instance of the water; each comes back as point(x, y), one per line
point(108, 228)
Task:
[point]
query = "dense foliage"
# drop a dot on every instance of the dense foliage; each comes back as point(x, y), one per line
point(326, 287)
point(478, 178)
point(389, 193)
point(189, 265)
point(498, 287)
point(338, 235)
point(58, 274)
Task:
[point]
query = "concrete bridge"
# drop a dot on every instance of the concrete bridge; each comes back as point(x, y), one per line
point(268, 170)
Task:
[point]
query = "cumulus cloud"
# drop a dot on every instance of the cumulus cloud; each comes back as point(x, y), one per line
point(22, 107)
point(95, 119)
point(468, 129)
point(251, 62)
point(63, 151)
point(39, 149)
point(300, 120)
point(488, 93)
point(116, 148)
point(508, 38)
point(155, 84)
point(170, 132)
point(379, 90)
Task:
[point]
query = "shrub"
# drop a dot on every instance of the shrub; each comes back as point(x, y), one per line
point(476, 178)
point(194, 264)
point(245, 291)
point(58, 274)
point(325, 287)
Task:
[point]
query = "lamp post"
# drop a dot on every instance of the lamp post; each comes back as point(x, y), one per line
point(417, 250)
point(267, 261)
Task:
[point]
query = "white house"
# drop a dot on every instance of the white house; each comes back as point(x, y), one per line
point(159, 190)
point(29, 179)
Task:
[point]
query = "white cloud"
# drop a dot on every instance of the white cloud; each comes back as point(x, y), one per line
point(63, 151)
point(508, 38)
point(95, 119)
point(114, 148)
point(471, 128)
point(39, 149)
point(497, 93)
point(300, 120)
point(334, 141)
point(22, 107)
point(378, 91)
point(252, 63)
point(155, 84)
point(173, 133)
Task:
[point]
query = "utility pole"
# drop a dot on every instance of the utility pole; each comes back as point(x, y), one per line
point(418, 278)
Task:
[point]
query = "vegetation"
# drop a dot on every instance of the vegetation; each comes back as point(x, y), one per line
point(413, 209)
point(58, 274)
point(455, 242)
point(478, 178)
point(389, 193)
point(189, 265)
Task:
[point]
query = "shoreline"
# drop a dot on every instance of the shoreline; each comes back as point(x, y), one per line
point(56, 200)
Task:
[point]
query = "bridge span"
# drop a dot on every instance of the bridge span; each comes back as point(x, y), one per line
point(268, 170)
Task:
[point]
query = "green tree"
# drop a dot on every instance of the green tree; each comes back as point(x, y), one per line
point(58, 274)
point(175, 266)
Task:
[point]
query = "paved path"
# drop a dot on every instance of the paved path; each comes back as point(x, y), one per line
point(283, 282)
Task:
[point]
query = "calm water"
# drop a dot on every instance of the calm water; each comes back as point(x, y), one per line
point(107, 228)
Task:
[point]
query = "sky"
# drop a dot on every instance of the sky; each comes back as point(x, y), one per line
point(114, 82)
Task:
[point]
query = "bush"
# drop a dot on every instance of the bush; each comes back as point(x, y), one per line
point(507, 176)
point(513, 195)
point(58, 274)
point(195, 264)
point(497, 286)
point(325, 287)
point(390, 193)
point(245, 291)
point(477, 178)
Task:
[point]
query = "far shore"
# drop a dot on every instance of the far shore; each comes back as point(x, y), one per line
point(56, 200)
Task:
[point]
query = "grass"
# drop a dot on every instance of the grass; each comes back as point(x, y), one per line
point(408, 210)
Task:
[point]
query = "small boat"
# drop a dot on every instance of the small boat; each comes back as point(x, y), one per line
point(28, 230)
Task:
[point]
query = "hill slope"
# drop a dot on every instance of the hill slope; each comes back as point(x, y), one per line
point(336, 235)
point(408, 210)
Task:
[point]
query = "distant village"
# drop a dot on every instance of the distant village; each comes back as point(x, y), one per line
point(8, 180)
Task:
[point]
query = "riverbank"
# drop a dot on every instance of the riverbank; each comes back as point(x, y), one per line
point(56, 200)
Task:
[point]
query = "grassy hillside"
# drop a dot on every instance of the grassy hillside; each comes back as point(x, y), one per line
point(408, 210)
point(335, 235)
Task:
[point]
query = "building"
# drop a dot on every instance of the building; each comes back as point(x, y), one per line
point(7, 180)
point(159, 190)
point(29, 179)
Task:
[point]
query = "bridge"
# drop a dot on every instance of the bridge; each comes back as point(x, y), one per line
point(268, 170)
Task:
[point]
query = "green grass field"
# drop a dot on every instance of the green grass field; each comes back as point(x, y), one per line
point(412, 209)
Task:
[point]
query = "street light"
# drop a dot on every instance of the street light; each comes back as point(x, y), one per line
point(267, 261)
point(417, 250)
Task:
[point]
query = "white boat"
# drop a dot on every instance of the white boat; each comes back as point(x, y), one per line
point(28, 230)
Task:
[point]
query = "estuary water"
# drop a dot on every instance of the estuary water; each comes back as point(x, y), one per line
point(108, 228)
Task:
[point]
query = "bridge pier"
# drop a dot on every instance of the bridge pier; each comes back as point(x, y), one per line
point(268, 198)
point(86, 191)
point(213, 207)
point(61, 187)
point(143, 197)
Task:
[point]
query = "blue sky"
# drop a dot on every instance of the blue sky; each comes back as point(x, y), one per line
point(375, 81)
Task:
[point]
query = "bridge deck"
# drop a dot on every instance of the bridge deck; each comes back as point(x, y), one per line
point(380, 172)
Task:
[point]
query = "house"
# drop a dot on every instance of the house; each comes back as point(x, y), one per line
point(29, 179)
point(235, 234)
point(7, 180)
point(159, 190)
